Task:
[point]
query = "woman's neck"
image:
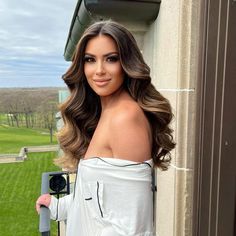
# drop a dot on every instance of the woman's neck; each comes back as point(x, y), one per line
point(109, 101)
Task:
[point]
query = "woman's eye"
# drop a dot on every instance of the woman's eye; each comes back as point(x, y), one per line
point(112, 58)
point(89, 59)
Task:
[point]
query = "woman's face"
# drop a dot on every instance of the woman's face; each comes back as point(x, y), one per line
point(102, 65)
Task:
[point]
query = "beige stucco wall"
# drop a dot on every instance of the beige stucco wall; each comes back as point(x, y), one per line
point(169, 46)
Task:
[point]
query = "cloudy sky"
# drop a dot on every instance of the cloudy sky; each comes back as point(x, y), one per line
point(32, 40)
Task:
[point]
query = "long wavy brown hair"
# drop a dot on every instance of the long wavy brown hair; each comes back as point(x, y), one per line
point(82, 110)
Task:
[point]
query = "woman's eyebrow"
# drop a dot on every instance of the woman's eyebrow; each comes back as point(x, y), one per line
point(110, 53)
point(105, 55)
point(89, 54)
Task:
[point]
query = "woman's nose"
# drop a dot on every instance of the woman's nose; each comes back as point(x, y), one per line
point(100, 68)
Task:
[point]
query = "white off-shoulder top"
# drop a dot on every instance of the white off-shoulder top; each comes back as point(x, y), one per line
point(112, 197)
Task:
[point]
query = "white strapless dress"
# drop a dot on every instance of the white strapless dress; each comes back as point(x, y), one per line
point(112, 197)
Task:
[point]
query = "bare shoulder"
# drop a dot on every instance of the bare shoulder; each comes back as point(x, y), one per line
point(128, 111)
point(130, 132)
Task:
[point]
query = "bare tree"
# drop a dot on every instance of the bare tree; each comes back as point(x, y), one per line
point(48, 115)
point(29, 107)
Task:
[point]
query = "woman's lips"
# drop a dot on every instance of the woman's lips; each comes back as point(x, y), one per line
point(101, 82)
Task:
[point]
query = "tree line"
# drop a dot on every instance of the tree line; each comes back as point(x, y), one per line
point(31, 108)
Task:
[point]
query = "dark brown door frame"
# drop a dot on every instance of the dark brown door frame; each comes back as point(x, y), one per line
point(215, 169)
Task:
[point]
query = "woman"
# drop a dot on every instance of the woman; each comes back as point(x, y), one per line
point(116, 129)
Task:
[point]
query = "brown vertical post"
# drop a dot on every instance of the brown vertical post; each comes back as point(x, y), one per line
point(215, 176)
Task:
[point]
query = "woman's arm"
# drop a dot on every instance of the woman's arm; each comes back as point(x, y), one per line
point(58, 207)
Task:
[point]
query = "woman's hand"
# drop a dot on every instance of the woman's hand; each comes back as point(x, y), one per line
point(44, 200)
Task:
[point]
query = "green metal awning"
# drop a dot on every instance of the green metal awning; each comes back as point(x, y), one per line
point(87, 11)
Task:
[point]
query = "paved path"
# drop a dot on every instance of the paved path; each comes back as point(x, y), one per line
point(10, 158)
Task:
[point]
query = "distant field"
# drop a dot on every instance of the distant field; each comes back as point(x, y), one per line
point(20, 186)
point(12, 138)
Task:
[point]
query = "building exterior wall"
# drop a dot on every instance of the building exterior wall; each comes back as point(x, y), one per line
point(170, 46)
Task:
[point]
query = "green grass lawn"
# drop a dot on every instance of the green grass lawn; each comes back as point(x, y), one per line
point(19, 188)
point(3, 118)
point(12, 139)
point(20, 183)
